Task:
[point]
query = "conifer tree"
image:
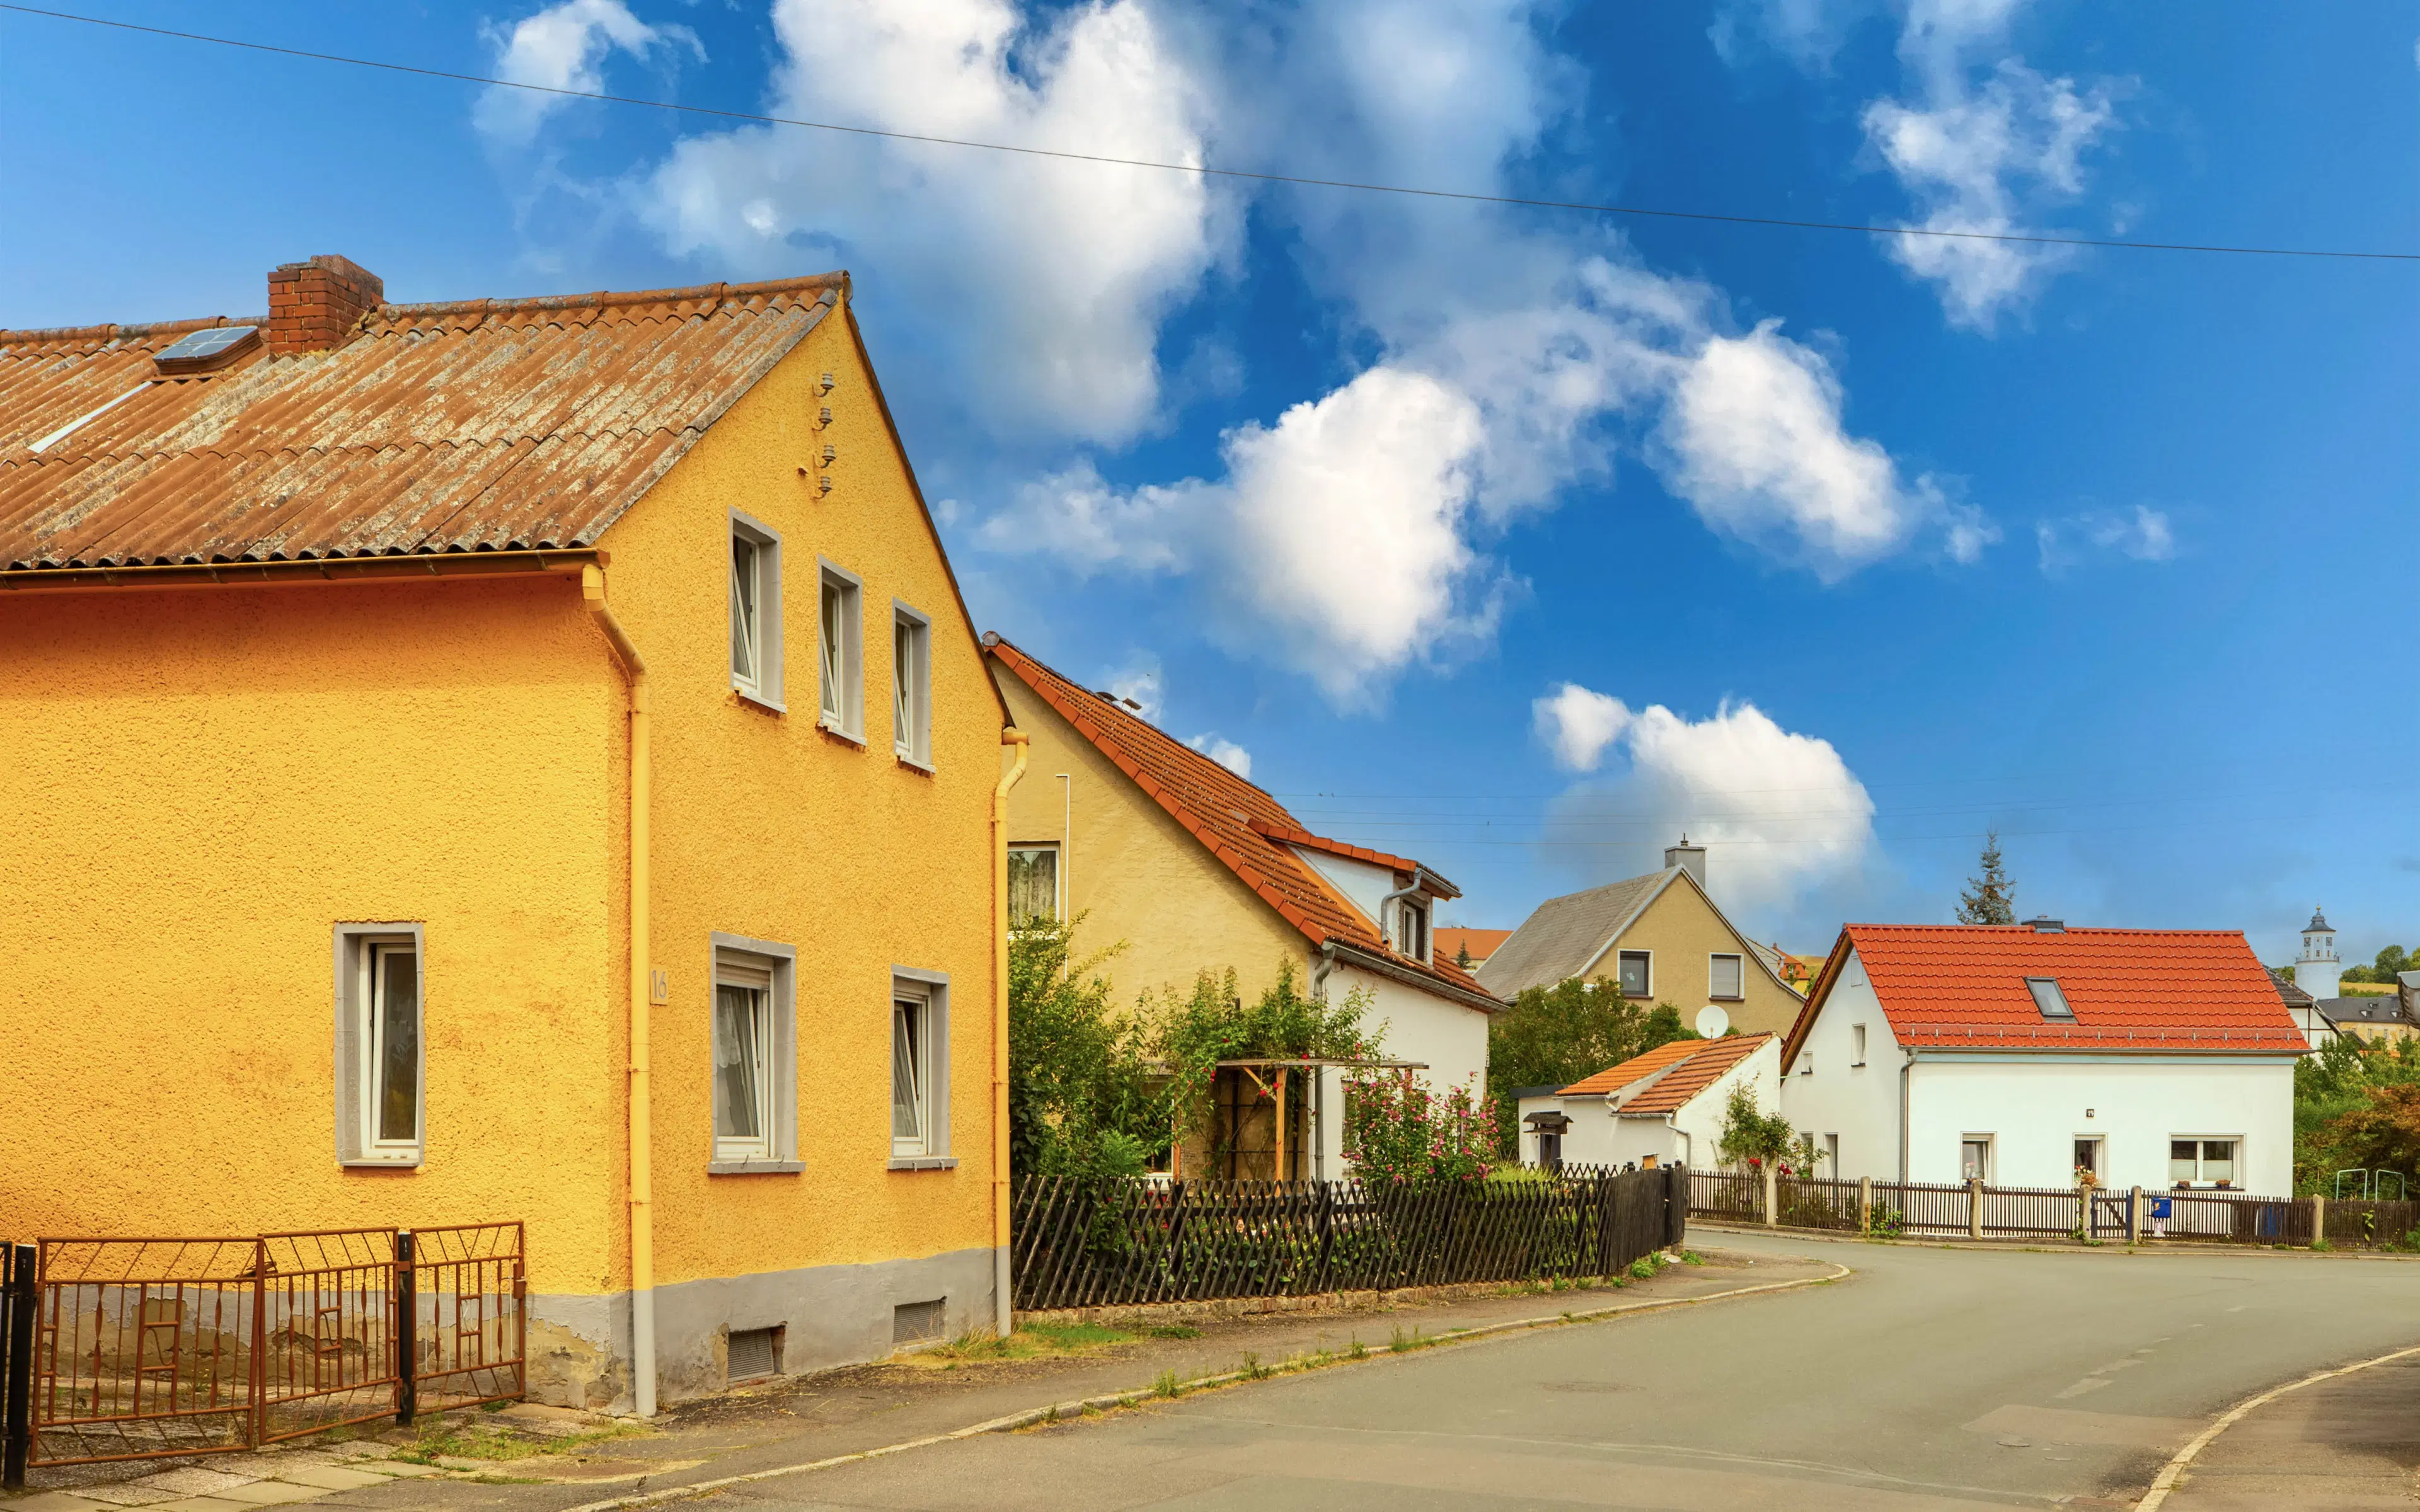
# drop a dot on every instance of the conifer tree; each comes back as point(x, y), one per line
point(1990, 898)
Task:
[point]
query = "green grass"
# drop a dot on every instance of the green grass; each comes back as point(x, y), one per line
point(466, 1438)
point(1167, 1384)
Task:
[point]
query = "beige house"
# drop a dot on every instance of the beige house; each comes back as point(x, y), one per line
point(1661, 937)
point(1156, 848)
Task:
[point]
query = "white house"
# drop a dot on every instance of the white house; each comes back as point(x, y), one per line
point(2021, 1053)
point(1662, 1108)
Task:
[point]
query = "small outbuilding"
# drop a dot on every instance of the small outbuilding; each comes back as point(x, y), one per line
point(1662, 1108)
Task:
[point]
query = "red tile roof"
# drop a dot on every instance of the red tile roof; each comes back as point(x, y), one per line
point(1238, 822)
point(468, 427)
point(1452, 939)
point(1963, 985)
point(1295, 835)
point(1695, 1065)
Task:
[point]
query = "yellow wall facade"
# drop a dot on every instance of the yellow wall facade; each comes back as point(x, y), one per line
point(1684, 931)
point(206, 782)
point(1133, 875)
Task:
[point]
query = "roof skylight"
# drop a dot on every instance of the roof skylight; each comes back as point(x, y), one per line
point(2047, 998)
point(198, 351)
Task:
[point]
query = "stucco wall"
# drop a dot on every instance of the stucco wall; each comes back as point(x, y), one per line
point(2034, 1110)
point(769, 827)
point(1684, 933)
point(1825, 1093)
point(203, 784)
point(1599, 1135)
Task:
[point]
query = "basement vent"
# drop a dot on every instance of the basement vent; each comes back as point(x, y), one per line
point(755, 1352)
point(914, 1321)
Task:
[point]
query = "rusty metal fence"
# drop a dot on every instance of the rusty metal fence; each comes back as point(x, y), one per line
point(146, 1348)
point(1083, 1242)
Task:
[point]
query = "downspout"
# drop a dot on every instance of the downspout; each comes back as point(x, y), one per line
point(1688, 1145)
point(643, 1225)
point(1003, 1317)
point(1419, 873)
point(1319, 973)
point(1905, 1066)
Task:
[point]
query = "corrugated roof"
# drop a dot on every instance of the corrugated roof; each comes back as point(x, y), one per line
point(1694, 1065)
point(1963, 986)
point(477, 425)
point(1558, 941)
point(1250, 832)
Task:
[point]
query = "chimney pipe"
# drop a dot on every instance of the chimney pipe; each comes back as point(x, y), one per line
point(1688, 857)
point(315, 305)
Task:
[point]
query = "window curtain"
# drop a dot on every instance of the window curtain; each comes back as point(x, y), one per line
point(738, 1050)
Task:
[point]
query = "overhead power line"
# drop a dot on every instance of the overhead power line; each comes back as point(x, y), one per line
point(1206, 171)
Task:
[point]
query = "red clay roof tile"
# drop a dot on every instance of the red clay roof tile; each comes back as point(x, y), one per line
point(1696, 1065)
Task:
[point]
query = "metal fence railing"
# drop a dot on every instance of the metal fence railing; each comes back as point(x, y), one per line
point(1975, 1211)
point(17, 1303)
point(1112, 1243)
point(147, 1349)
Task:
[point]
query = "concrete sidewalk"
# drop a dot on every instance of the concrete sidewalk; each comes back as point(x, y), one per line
point(2349, 1442)
point(841, 1413)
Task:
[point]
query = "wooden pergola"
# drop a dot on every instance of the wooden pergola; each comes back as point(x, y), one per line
point(1271, 1075)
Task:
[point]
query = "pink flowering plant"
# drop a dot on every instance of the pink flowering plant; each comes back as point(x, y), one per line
point(1398, 1130)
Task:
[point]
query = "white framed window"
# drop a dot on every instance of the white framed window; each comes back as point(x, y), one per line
point(1412, 927)
point(2048, 998)
point(840, 652)
point(1975, 1158)
point(756, 595)
point(919, 1070)
point(753, 1056)
point(1637, 973)
point(2087, 1157)
point(1725, 977)
point(1857, 1044)
point(382, 1071)
point(1033, 883)
point(911, 685)
point(2198, 1162)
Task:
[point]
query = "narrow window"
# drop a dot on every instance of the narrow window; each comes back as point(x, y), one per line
point(1412, 927)
point(840, 676)
point(1638, 976)
point(1032, 884)
point(744, 635)
point(1723, 977)
point(392, 991)
point(379, 1042)
point(911, 1109)
point(1857, 1044)
point(756, 613)
point(2047, 998)
point(2088, 1158)
point(911, 692)
point(1832, 1154)
point(743, 1062)
point(1975, 1160)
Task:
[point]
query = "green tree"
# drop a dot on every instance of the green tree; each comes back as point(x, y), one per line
point(1083, 1098)
point(2351, 1099)
point(1991, 898)
point(1751, 1138)
point(1554, 1035)
point(2392, 960)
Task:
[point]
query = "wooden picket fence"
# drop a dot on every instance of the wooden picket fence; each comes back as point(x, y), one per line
point(1088, 1243)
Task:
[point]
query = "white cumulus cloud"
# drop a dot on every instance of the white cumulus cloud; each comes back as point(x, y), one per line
point(562, 46)
point(1578, 723)
point(1981, 151)
point(1137, 686)
point(1757, 444)
point(1779, 812)
point(1032, 289)
point(1226, 753)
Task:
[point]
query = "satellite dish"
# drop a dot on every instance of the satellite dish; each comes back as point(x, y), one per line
point(1712, 1022)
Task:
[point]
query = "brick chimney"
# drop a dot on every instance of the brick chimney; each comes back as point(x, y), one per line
point(315, 305)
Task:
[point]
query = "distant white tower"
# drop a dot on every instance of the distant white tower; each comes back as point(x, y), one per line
point(2317, 970)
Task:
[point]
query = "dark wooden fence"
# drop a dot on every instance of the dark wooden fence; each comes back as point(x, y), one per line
point(1920, 1210)
point(1081, 1243)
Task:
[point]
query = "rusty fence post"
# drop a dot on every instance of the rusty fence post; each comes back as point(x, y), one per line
point(407, 1330)
point(17, 1348)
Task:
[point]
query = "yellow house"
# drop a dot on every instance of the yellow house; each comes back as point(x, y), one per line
point(505, 760)
point(1661, 937)
point(1154, 846)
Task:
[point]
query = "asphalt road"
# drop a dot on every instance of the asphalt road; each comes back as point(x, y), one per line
point(1930, 1379)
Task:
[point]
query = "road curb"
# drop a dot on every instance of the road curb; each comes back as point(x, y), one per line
point(1028, 1417)
point(2170, 1473)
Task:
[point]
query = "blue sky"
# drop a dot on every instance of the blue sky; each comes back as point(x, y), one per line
point(1516, 540)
